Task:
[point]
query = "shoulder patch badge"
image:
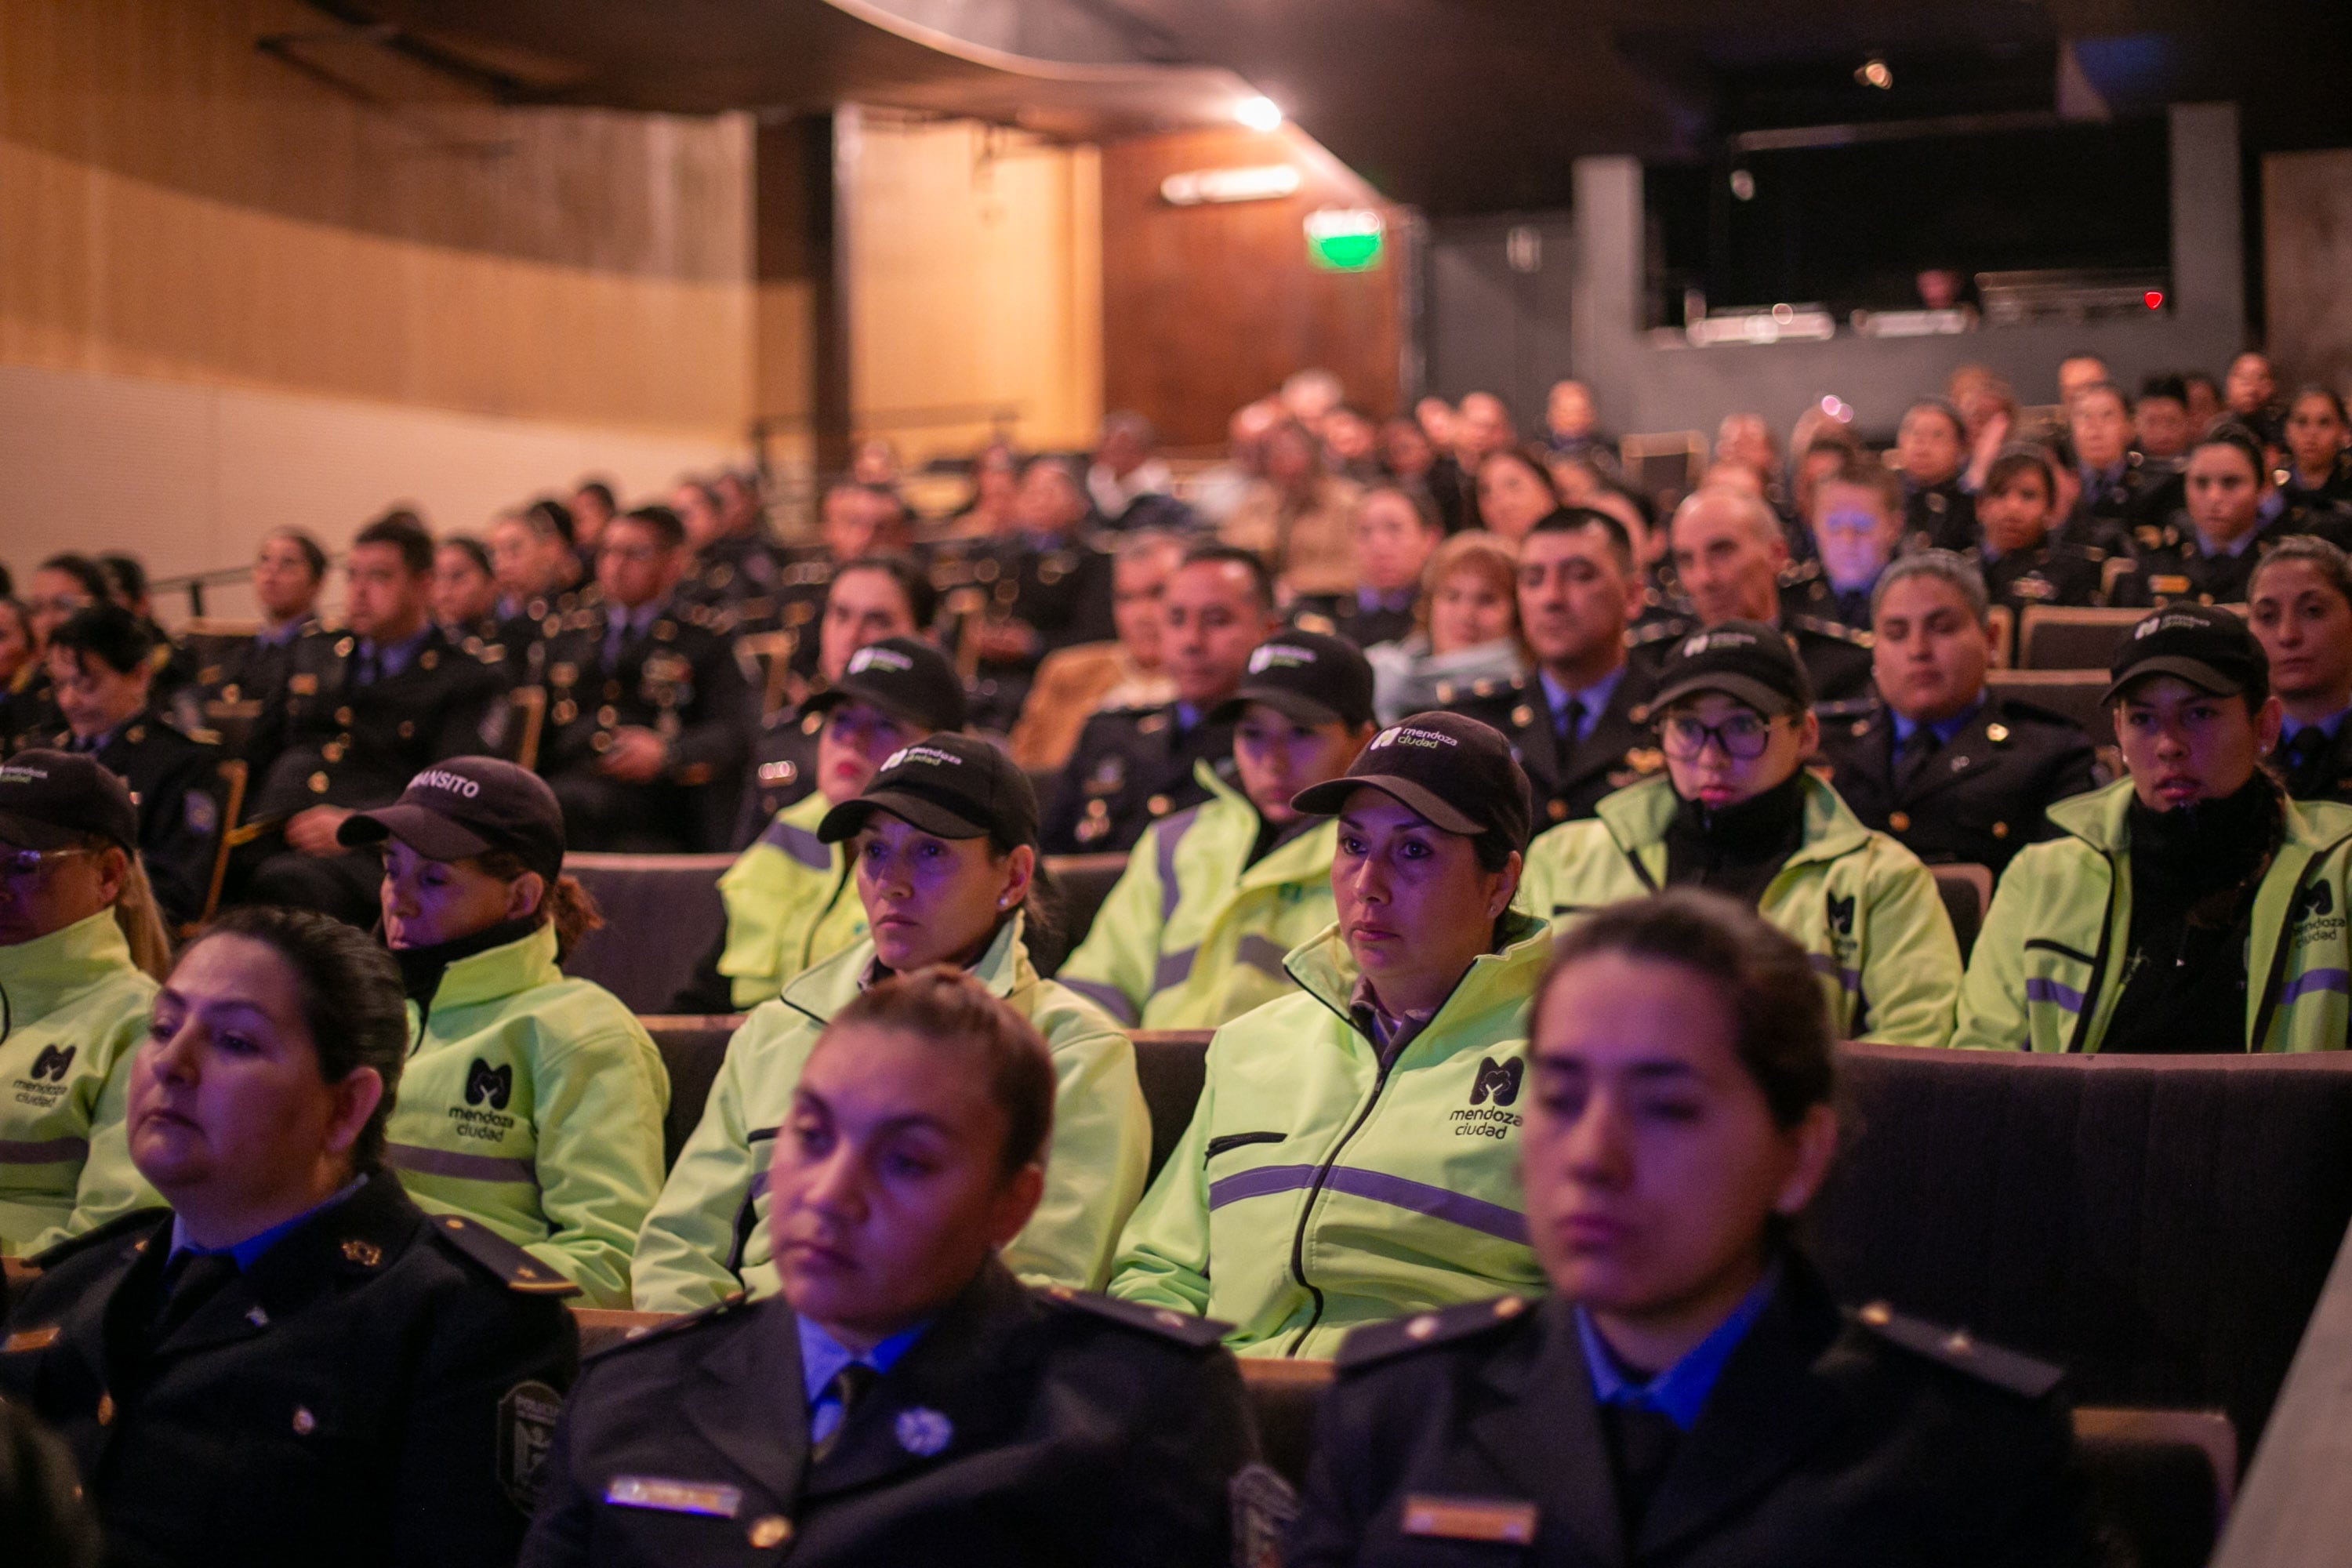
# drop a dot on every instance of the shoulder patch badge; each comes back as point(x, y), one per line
point(1199, 1332)
point(525, 1431)
point(1379, 1342)
point(1262, 1506)
point(1962, 1351)
point(517, 1269)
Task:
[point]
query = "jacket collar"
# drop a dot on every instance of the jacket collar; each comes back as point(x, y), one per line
point(1637, 818)
point(2102, 820)
point(499, 972)
point(1004, 969)
point(1304, 858)
point(40, 975)
point(1324, 968)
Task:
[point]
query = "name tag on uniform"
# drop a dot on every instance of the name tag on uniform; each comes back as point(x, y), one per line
point(1505, 1520)
point(303, 685)
point(673, 1497)
point(31, 1339)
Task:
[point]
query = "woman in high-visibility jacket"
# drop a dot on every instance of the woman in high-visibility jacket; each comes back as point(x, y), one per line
point(1354, 1154)
point(1735, 812)
point(2190, 907)
point(789, 902)
point(1194, 933)
point(944, 844)
point(532, 1102)
point(81, 951)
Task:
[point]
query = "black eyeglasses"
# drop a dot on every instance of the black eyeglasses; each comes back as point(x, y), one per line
point(1743, 737)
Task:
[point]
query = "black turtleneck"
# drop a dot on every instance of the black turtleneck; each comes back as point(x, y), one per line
point(2194, 873)
point(421, 968)
point(1272, 836)
point(1738, 849)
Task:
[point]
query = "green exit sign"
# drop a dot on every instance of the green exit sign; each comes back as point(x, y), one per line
point(1344, 239)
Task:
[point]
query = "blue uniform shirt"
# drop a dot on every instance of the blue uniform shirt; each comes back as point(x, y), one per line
point(248, 1251)
point(1680, 1392)
point(821, 1359)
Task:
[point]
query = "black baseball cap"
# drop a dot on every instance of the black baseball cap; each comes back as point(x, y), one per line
point(466, 806)
point(50, 799)
point(1305, 677)
point(905, 678)
point(2211, 650)
point(1456, 772)
point(1746, 660)
point(953, 787)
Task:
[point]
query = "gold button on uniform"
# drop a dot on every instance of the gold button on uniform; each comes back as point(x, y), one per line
point(106, 1410)
point(1559, 809)
point(2000, 830)
point(304, 1422)
point(608, 716)
point(317, 783)
point(344, 716)
point(1158, 804)
point(1900, 821)
point(770, 1530)
point(407, 728)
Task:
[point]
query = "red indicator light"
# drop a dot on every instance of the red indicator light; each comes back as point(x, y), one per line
point(2155, 297)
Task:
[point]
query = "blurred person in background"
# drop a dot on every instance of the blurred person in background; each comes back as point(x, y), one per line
point(2317, 491)
point(593, 505)
point(1309, 395)
point(1988, 413)
point(1296, 518)
point(2111, 513)
point(733, 578)
point(537, 570)
point(1351, 445)
point(58, 586)
point(1052, 587)
point(1857, 519)
point(2299, 605)
point(1074, 683)
point(466, 594)
point(1930, 451)
point(2204, 400)
point(1128, 487)
point(2210, 557)
point(289, 570)
point(1218, 491)
point(876, 462)
point(1393, 535)
point(2016, 511)
point(1466, 644)
point(2077, 371)
point(2250, 396)
point(1572, 427)
point(996, 484)
point(1480, 424)
point(1514, 489)
point(1411, 460)
point(17, 656)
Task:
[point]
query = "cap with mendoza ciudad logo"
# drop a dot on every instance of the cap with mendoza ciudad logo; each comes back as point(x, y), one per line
point(951, 786)
point(1452, 772)
point(1745, 660)
point(2211, 650)
point(1307, 677)
point(903, 677)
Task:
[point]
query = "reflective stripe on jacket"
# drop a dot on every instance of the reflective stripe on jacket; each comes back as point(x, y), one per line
point(790, 907)
point(1189, 938)
point(708, 1233)
point(75, 1009)
point(532, 1103)
point(2045, 972)
point(1860, 903)
point(1318, 1188)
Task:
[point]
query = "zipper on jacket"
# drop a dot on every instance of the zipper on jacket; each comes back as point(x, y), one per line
point(2077, 1042)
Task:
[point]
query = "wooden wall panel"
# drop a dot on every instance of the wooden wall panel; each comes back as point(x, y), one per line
point(1206, 308)
point(2307, 264)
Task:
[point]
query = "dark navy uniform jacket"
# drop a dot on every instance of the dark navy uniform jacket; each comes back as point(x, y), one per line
point(1940, 517)
point(250, 669)
point(1131, 766)
point(1567, 780)
point(1473, 1436)
point(1979, 796)
point(2054, 573)
point(375, 1391)
point(2322, 774)
point(172, 777)
point(2175, 571)
point(1349, 616)
point(1022, 1428)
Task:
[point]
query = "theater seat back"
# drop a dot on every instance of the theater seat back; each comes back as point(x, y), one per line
point(662, 914)
point(692, 1047)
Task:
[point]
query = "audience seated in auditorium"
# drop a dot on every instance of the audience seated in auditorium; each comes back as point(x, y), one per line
point(2299, 605)
point(1074, 683)
point(1514, 489)
point(1296, 517)
point(538, 573)
point(289, 570)
point(532, 1102)
point(80, 950)
point(2114, 512)
point(2208, 557)
point(1193, 933)
point(1737, 813)
point(2317, 497)
point(593, 505)
point(904, 1399)
point(465, 599)
point(1948, 770)
point(1051, 589)
point(102, 669)
point(2192, 907)
point(1571, 723)
point(361, 712)
point(2250, 396)
point(1133, 766)
point(1414, 1005)
point(1729, 553)
point(648, 717)
point(1127, 486)
point(2023, 564)
point(58, 586)
point(789, 906)
point(292, 1358)
point(1466, 636)
point(1857, 524)
point(1391, 536)
point(1690, 1392)
point(944, 843)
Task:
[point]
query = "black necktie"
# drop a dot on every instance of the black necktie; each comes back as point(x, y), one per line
point(190, 1281)
point(370, 668)
point(2302, 753)
point(616, 634)
point(849, 1385)
point(1642, 1445)
point(1913, 754)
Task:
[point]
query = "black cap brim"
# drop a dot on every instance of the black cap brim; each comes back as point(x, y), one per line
point(833, 697)
point(1330, 797)
point(1743, 688)
point(2195, 672)
point(31, 833)
point(1296, 706)
point(916, 810)
point(428, 833)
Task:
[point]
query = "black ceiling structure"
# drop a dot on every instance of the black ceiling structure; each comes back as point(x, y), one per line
point(1454, 106)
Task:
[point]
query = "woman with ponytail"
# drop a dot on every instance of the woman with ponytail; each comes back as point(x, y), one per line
point(532, 1102)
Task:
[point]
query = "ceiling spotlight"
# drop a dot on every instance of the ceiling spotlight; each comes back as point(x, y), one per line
point(1259, 113)
point(1873, 72)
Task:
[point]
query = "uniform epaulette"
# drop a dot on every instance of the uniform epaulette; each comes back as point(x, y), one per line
point(120, 1225)
point(1202, 1334)
point(516, 1269)
point(1656, 632)
point(672, 1327)
point(1828, 628)
point(1846, 708)
point(1961, 1350)
point(1380, 1342)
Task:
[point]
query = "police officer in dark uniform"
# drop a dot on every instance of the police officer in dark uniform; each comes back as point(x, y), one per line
point(1132, 766)
point(1578, 723)
point(100, 665)
point(2209, 557)
point(2022, 563)
point(2299, 605)
point(734, 580)
point(1690, 1394)
point(904, 1399)
point(2112, 512)
point(1049, 589)
point(1953, 772)
point(649, 716)
point(287, 573)
point(293, 1361)
point(539, 585)
point(364, 710)
point(2316, 485)
point(1932, 446)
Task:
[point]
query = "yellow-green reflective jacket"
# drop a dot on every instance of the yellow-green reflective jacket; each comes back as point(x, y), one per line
point(790, 907)
point(1189, 938)
point(76, 1008)
point(1860, 903)
point(2044, 975)
point(706, 1236)
point(532, 1103)
point(1318, 1188)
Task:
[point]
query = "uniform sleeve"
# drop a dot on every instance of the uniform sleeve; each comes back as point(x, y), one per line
point(111, 1186)
point(1992, 995)
point(559, 1526)
point(450, 1509)
point(690, 1233)
point(1175, 1508)
point(1095, 1167)
point(1911, 975)
point(1114, 968)
point(178, 858)
point(599, 1123)
point(1163, 1255)
point(466, 713)
point(1058, 834)
point(1341, 1489)
point(720, 737)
